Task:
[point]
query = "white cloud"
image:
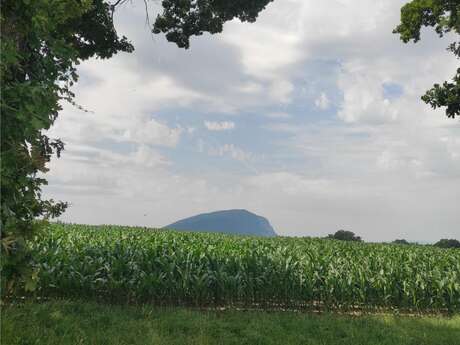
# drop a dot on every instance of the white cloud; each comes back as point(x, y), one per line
point(322, 102)
point(151, 132)
point(265, 49)
point(251, 88)
point(281, 90)
point(278, 115)
point(230, 150)
point(219, 126)
point(148, 157)
point(283, 127)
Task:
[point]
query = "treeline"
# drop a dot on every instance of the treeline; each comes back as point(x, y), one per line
point(345, 235)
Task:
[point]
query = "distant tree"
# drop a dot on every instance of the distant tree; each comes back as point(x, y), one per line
point(444, 16)
point(445, 243)
point(402, 241)
point(344, 235)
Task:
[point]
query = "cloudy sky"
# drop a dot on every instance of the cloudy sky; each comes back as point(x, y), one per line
point(310, 117)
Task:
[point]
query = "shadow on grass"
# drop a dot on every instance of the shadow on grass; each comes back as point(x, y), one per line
point(79, 322)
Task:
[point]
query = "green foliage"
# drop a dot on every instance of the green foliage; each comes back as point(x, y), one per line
point(445, 95)
point(344, 235)
point(444, 16)
point(82, 322)
point(445, 243)
point(164, 267)
point(41, 42)
point(182, 19)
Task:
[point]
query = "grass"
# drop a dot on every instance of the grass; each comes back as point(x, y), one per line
point(78, 322)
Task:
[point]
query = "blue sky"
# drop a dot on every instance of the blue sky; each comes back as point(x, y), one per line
point(310, 117)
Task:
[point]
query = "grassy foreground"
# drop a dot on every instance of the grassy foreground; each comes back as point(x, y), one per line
point(90, 323)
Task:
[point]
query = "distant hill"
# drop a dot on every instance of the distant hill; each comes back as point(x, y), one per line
point(240, 222)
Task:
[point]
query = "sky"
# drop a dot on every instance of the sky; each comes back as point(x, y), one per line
point(310, 117)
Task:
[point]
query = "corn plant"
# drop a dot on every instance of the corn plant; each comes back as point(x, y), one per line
point(165, 267)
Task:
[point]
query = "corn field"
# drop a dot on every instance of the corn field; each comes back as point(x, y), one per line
point(166, 267)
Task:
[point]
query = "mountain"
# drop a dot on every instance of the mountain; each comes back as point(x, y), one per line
point(239, 222)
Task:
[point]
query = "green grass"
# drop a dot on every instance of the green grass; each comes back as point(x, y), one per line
point(70, 323)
